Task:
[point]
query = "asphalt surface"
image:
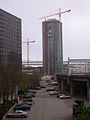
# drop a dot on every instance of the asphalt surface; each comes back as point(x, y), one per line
point(48, 107)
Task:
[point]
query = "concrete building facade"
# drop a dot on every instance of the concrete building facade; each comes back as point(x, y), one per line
point(52, 47)
point(10, 54)
point(75, 79)
point(10, 40)
point(76, 66)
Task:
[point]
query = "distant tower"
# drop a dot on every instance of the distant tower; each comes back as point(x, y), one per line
point(52, 47)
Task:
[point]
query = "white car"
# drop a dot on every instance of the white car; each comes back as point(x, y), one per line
point(54, 83)
point(64, 96)
point(17, 114)
point(53, 92)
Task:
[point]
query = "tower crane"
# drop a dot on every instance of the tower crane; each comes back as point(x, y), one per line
point(28, 42)
point(59, 14)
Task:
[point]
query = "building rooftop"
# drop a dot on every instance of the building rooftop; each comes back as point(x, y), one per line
point(49, 20)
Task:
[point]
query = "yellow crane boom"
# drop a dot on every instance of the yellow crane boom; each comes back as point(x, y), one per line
point(59, 13)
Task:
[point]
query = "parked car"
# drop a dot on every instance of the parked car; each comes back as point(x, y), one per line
point(33, 91)
point(27, 99)
point(22, 106)
point(17, 114)
point(54, 83)
point(42, 86)
point(30, 94)
point(50, 88)
point(38, 88)
point(53, 92)
point(64, 96)
point(59, 94)
point(28, 103)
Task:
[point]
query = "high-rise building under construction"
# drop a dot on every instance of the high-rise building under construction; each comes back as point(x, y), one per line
point(52, 47)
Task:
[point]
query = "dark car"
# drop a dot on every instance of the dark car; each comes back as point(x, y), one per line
point(50, 88)
point(22, 106)
point(28, 103)
point(30, 90)
point(59, 94)
point(27, 99)
point(27, 96)
point(30, 94)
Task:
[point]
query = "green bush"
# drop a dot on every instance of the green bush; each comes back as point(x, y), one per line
point(15, 99)
point(83, 113)
point(5, 107)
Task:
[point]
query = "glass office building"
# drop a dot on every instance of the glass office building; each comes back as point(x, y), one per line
point(10, 40)
point(52, 47)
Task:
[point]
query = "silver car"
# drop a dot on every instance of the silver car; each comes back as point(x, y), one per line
point(17, 114)
point(64, 96)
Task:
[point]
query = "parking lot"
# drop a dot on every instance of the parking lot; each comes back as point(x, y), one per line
point(48, 107)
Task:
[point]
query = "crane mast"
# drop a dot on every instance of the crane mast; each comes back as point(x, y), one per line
point(28, 42)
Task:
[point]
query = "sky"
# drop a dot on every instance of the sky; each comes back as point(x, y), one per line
point(75, 25)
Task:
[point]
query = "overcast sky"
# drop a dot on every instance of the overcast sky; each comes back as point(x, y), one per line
point(76, 25)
